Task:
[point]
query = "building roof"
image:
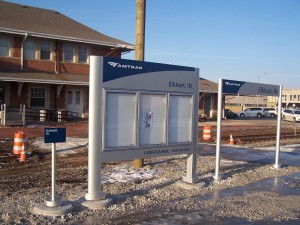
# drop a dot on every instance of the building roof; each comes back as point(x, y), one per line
point(42, 77)
point(207, 86)
point(37, 22)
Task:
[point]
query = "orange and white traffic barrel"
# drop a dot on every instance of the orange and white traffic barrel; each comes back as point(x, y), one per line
point(206, 133)
point(19, 140)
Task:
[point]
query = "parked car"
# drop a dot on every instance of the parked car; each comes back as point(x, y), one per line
point(252, 112)
point(270, 112)
point(291, 115)
point(229, 114)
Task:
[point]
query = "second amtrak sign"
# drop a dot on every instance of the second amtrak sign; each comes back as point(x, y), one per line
point(248, 88)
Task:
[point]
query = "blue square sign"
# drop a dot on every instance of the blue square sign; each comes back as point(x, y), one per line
point(55, 135)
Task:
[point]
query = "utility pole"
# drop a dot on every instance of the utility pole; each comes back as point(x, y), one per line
point(140, 30)
point(140, 48)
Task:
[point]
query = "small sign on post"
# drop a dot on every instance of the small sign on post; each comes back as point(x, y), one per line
point(53, 205)
point(54, 135)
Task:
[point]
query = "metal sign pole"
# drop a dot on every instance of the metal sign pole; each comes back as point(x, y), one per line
point(96, 199)
point(53, 201)
point(95, 132)
point(277, 165)
point(219, 126)
point(53, 171)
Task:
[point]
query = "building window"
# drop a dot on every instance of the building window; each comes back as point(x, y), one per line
point(68, 53)
point(45, 49)
point(291, 97)
point(29, 49)
point(284, 97)
point(38, 97)
point(70, 97)
point(4, 46)
point(82, 55)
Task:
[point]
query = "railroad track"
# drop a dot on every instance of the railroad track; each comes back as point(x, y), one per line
point(260, 137)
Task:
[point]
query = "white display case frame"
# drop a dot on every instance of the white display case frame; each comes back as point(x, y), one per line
point(111, 75)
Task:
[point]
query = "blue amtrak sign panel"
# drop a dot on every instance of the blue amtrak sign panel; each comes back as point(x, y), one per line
point(248, 88)
point(117, 68)
point(127, 74)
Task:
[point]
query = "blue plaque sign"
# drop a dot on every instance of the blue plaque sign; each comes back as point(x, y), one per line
point(55, 135)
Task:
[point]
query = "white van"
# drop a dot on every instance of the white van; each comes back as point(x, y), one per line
point(252, 112)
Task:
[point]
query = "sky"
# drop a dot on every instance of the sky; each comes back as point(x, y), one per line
point(245, 40)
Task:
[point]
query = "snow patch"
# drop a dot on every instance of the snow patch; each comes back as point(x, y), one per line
point(125, 174)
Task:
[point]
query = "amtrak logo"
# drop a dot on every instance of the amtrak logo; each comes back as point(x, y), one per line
point(232, 84)
point(125, 66)
point(113, 64)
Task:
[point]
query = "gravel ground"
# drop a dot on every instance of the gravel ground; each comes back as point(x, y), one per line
point(157, 196)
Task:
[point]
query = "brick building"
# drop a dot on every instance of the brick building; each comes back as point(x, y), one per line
point(208, 98)
point(44, 58)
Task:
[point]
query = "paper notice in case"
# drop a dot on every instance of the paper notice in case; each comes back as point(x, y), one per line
point(152, 123)
point(149, 119)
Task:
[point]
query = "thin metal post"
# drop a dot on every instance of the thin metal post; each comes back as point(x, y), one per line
point(219, 126)
point(277, 165)
point(53, 200)
point(53, 171)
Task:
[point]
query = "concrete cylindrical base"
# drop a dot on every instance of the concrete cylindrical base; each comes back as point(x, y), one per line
point(43, 209)
point(98, 204)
